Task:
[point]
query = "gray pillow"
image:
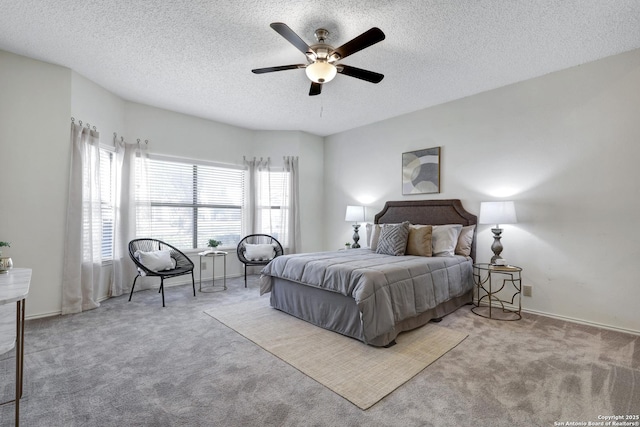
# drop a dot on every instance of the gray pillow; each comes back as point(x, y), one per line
point(393, 239)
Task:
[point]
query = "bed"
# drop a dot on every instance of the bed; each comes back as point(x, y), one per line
point(374, 297)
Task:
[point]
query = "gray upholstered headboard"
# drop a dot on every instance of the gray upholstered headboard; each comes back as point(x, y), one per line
point(429, 212)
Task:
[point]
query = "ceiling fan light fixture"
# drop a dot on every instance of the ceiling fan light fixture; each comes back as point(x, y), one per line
point(321, 72)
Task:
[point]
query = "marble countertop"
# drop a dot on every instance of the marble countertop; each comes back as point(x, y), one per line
point(14, 285)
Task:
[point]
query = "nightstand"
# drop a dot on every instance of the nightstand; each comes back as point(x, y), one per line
point(490, 280)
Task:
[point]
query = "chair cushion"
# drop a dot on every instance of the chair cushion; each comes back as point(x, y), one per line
point(156, 260)
point(261, 252)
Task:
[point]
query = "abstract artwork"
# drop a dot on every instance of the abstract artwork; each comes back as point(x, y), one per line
point(421, 171)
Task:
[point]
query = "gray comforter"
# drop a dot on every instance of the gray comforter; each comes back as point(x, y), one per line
point(387, 289)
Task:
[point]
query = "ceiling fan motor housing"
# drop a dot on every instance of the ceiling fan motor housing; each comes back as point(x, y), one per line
point(321, 35)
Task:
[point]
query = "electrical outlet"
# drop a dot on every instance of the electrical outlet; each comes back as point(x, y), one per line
point(526, 290)
point(203, 264)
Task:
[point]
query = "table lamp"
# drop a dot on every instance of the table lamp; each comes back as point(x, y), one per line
point(497, 213)
point(355, 214)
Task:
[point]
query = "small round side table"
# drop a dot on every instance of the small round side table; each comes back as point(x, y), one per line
point(490, 305)
point(214, 255)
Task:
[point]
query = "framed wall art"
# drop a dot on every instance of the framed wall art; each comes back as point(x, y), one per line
point(421, 171)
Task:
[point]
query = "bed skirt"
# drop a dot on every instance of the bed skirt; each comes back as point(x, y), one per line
point(339, 313)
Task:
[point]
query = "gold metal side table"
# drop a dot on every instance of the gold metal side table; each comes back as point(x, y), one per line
point(214, 255)
point(490, 305)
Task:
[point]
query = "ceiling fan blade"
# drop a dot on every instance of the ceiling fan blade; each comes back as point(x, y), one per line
point(366, 39)
point(361, 74)
point(293, 38)
point(279, 68)
point(316, 88)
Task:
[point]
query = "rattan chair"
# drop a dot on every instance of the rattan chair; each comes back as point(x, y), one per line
point(183, 264)
point(256, 239)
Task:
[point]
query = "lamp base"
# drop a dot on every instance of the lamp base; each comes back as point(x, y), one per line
point(497, 260)
point(356, 237)
point(496, 246)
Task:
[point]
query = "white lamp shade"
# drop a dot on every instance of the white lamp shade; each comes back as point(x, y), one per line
point(355, 214)
point(321, 72)
point(497, 213)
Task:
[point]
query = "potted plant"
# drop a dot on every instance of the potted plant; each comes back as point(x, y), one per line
point(347, 245)
point(5, 262)
point(213, 243)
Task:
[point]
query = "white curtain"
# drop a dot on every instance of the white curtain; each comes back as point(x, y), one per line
point(256, 169)
point(82, 265)
point(272, 205)
point(132, 212)
point(293, 205)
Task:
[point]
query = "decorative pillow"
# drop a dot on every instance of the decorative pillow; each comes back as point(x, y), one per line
point(419, 240)
point(393, 239)
point(156, 260)
point(260, 252)
point(465, 240)
point(375, 236)
point(444, 239)
point(369, 227)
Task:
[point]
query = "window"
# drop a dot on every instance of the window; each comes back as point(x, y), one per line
point(107, 195)
point(192, 203)
point(273, 202)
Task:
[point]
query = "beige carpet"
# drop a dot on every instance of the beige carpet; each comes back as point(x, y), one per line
point(360, 373)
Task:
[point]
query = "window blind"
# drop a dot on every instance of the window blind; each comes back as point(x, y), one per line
point(107, 195)
point(192, 203)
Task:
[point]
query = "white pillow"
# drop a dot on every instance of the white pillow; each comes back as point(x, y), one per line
point(375, 236)
point(157, 260)
point(261, 252)
point(465, 240)
point(444, 239)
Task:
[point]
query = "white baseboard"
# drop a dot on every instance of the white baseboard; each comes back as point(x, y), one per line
point(205, 279)
point(104, 298)
point(43, 315)
point(569, 319)
point(582, 322)
point(509, 306)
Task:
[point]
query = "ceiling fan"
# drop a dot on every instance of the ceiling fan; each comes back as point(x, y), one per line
point(322, 59)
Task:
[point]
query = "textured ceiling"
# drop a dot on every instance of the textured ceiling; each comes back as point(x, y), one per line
point(195, 56)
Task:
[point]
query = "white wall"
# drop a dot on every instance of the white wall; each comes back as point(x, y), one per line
point(310, 150)
point(35, 109)
point(180, 135)
point(97, 106)
point(92, 104)
point(564, 146)
point(36, 102)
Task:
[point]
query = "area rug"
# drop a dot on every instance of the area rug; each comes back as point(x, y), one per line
point(360, 373)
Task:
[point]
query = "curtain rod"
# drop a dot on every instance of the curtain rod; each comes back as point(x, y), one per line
point(115, 137)
point(73, 120)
